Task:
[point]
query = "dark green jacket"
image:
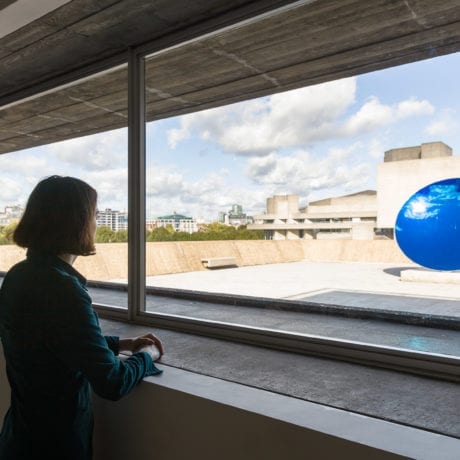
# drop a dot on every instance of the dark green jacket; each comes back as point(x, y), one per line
point(55, 353)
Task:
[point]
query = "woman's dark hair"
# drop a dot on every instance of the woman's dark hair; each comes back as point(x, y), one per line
point(58, 217)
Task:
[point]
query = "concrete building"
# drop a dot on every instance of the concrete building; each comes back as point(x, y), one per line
point(179, 223)
point(235, 216)
point(346, 217)
point(358, 216)
point(115, 220)
point(10, 214)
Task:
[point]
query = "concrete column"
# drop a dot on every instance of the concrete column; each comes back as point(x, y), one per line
point(362, 231)
point(292, 234)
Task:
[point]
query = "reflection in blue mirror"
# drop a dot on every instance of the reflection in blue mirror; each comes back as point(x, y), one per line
point(428, 226)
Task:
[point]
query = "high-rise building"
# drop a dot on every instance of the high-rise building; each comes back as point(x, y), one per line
point(115, 220)
point(235, 216)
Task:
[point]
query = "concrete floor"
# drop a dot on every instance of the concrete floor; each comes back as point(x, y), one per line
point(316, 281)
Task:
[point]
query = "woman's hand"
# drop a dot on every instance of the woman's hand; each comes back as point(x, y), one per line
point(135, 344)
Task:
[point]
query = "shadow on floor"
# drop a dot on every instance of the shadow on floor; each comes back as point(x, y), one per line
point(396, 271)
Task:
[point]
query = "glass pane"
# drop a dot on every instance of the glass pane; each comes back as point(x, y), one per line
point(294, 197)
point(78, 130)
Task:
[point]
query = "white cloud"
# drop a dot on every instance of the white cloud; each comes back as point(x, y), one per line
point(20, 172)
point(95, 152)
point(10, 191)
point(101, 160)
point(24, 162)
point(282, 120)
point(413, 107)
point(294, 118)
point(111, 186)
point(445, 122)
point(303, 172)
point(373, 115)
point(376, 149)
point(163, 183)
point(169, 190)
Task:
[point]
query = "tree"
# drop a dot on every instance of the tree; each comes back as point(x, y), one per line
point(214, 231)
point(6, 233)
point(105, 235)
point(121, 236)
point(160, 234)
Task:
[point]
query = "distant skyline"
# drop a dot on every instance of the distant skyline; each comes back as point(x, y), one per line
point(319, 141)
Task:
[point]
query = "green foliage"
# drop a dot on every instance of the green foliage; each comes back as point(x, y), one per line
point(121, 236)
point(6, 233)
point(215, 231)
point(160, 234)
point(107, 235)
point(182, 236)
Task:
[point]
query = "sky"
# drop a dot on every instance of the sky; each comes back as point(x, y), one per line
point(319, 141)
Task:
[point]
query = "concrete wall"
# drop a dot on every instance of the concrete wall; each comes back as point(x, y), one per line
point(362, 231)
point(166, 424)
point(363, 202)
point(435, 149)
point(404, 153)
point(110, 262)
point(385, 251)
point(283, 205)
point(426, 150)
point(333, 236)
point(9, 255)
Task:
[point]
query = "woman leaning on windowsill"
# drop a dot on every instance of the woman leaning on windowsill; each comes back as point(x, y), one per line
point(54, 349)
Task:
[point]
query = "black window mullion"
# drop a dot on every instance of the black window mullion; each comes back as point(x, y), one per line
point(136, 185)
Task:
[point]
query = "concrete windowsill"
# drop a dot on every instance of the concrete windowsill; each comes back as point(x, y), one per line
point(373, 392)
point(375, 433)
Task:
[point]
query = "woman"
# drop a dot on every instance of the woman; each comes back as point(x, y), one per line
point(54, 350)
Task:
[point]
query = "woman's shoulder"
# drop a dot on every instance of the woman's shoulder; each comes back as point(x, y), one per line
point(67, 284)
point(54, 279)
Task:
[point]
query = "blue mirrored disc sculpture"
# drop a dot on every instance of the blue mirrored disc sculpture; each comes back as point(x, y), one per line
point(428, 226)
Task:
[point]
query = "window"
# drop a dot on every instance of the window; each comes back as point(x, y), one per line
point(75, 111)
point(284, 178)
point(310, 183)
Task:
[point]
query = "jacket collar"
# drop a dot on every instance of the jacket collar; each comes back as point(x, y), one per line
point(55, 261)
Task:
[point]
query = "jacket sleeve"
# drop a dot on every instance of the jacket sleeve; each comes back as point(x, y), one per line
point(79, 343)
point(113, 342)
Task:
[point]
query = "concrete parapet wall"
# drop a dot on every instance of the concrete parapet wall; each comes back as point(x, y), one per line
point(10, 255)
point(111, 260)
point(185, 256)
point(385, 251)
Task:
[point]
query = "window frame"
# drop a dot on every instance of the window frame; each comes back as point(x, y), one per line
point(433, 365)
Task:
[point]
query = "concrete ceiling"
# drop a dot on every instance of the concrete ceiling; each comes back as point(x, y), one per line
point(289, 45)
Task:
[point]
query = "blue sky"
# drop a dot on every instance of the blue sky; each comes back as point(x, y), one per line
point(319, 141)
